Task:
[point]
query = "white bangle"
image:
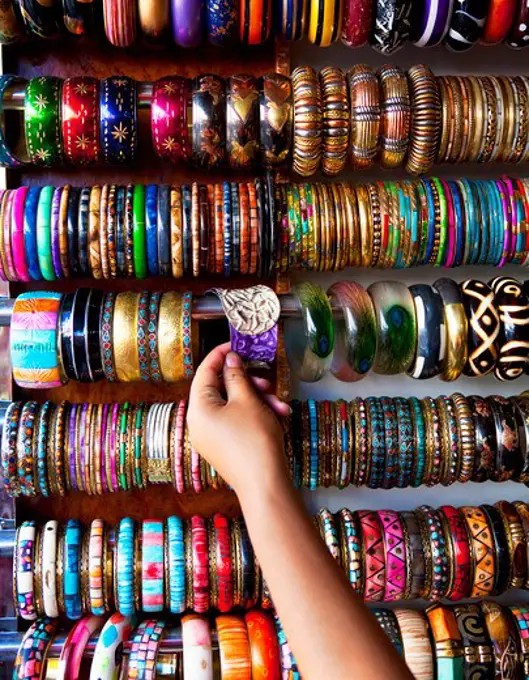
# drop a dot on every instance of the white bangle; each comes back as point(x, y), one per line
point(25, 563)
point(198, 654)
point(49, 563)
point(107, 662)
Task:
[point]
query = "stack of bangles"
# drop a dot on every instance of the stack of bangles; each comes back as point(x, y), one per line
point(201, 564)
point(309, 121)
point(386, 25)
point(464, 640)
point(446, 330)
point(377, 442)
point(259, 228)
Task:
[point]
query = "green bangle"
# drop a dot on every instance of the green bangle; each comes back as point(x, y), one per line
point(138, 231)
point(396, 235)
point(42, 120)
point(123, 446)
point(44, 233)
point(444, 222)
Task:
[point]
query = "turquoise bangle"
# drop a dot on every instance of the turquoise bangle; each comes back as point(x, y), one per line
point(177, 567)
point(406, 442)
point(443, 236)
point(314, 445)
point(483, 222)
point(378, 446)
point(71, 578)
point(44, 233)
point(391, 438)
point(138, 232)
point(420, 442)
point(125, 567)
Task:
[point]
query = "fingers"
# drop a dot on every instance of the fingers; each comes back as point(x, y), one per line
point(236, 383)
point(260, 384)
point(279, 407)
point(207, 382)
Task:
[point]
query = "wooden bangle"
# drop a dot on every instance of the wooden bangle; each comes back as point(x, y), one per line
point(264, 647)
point(448, 643)
point(505, 642)
point(482, 549)
point(418, 652)
point(307, 121)
point(234, 648)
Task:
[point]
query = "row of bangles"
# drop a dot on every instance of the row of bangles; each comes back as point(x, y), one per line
point(64, 569)
point(484, 641)
point(49, 449)
point(385, 24)
point(445, 330)
point(309, 121)
point(259, 228)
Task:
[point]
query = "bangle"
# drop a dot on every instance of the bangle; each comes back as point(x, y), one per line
point(42, 120)
point(197, 647)
point(358, 20)
point(307, 121)
point(434, 24)
point(39, 20)
point(447, 639)
point(459, 548)
point(276, 119)
point(502, 631)
point(33, 340)
point(23, 582)
point(310, 345)
point(466, 26)
point(396, 576)
point(209, 121)
point(418, 653)
point(517, 38)
point(365, 114)
point(11, 30)
point(118, 119)
point(75, 644)
point(521, 618)
point(264, 647)
point(373, 556)
point(120, 22)
point(108, 660)
point(235, 662)
point(171, 118)
point(351, 548)
point(289, 667)
point(434, 540)
point(95, 567)
point(163, 230)
point(221, 23)
point(11, 156)
point(199, 541)
point(170, 331)
point(508, 454)
point(49, 578)
point(517, 547)
point(387, 620)
point(146, 642)
point(391, 25)
point(500, 18)
point(44, 234)
point(335, 119)
point(465, 436)
point(188, 22)
point(177, 572)
point(485, 439)
point(80, 120)
point(222, 558)
point(177, 262)
point(429, 313)
point(456, 329)
point(124, 338)
point(395, 116)
point(242, 121)
point(152, 566)
point(511, 302)
point(425, 120)
point(124, 567)
point(30, 660)
point(482, 547)
point(154, 20)
point(483, 327)
point(71, 576)
point(477, 650)
point(325, 23)
point(501, 548)
point(6, 253)
point(396, 327)
point(23, 233)
point(9, 449)
point(256, 21)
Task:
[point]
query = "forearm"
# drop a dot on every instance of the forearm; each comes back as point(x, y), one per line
point(329, 629)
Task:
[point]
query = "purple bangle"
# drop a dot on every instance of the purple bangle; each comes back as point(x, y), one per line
point(55, 215)
point(11, 273)
point(261, 348)
point(17, 234)
point(188, 20)
point(434, 23)
point(72, 445)
point(3, 274)
point(85, 469)
point(514, 216)
point(506, 194)
point(113, 431)
point(103, 450)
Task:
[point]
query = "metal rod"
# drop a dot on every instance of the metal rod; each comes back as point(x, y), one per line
point(205, 308)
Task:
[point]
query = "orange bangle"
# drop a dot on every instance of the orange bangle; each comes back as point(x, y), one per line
point(244, 215)
point(254, 227)
point(234, 648)
point(482, 550)
point(264, 647)
point(219, 229)
point(212, 236)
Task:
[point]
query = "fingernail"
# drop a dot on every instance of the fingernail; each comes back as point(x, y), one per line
point(289, 409)
point(233, 360)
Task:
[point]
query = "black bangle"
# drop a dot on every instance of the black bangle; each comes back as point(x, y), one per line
point(388, 622)
point(187, 237)
point(41, 20)
point(204, 226)
point(272, 224)
point(276, 117)
point(478, 661)
point(247, 568)
point(209, 121)
point(94, 310)
point(509, 461)
point(121, 264)
point(501, 549)
point(242, 122)
point(80, 354)
point(266, 229)
point(259, 193)
point(430, 324)
point(513, 337)
point(521, 409)
point(483, 320)
point(78, 17)
point(72, 224)
point(66, 336)
point(485, 439)
point(164, 230)
point(84, 207)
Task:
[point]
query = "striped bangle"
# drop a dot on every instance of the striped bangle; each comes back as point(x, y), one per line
point(177, 571)
point(95, 567)
point(152, 566)
point(199, 542)
point(125, 567)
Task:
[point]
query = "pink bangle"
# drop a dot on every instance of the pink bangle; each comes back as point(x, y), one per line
point(72, 446)
point(85, 465)
point(198, 654)
point(104, 471)
point(75, 645)
point(95, 567)
point(507, 230)
point(11, 273)
point(171, 102)
point(374, 558)
point(3, 275)
point(451, 225)
point(179, 447)
point(120, 21)
point(395, 549)
point(515, 226)
point(113, 433)
point(195, 471)
point(17, 234)
point(199, 545)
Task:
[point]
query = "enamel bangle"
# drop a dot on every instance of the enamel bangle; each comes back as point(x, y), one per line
point(108, 657)
point(197, 646)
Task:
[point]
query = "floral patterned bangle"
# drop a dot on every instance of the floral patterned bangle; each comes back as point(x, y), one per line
point(42, 120)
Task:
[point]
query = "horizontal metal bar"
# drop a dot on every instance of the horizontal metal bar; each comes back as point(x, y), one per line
point(206, 307)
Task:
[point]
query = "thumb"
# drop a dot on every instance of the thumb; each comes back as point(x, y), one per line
point(236, 381)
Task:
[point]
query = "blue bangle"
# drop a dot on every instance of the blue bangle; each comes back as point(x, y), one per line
point(125, 567)
point(495, 255)
point(30, 232)
point(459, 227)
point(484, 222)
point(164, 230)
point(71, 577)
point(118, 120)
point(84, 206)
point(72, 220)
point(235, 229)
point(406, 447)
point(187, 239)
point(120, 231)
point(313, 428)
point(470, 218)
point(291, 18)
point(151, 227)
point(378, 449)
point(221, 22)
point(177, 569)
point(431, 223)
point(391, 437)
point(42, 446)
point(227, 228)
point(7, 157)
point(420, 441)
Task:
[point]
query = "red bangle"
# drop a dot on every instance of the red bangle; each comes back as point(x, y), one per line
point(17, 234)
point(374, 557)
point(395, 550)
point(171, 102)
point(224, 570)
point(461, 563)
point(199, 545)
point(256, 20)
point(80, 120)
point(499, 21)
point(120, 21)
point(264, 647)
point(357, 22)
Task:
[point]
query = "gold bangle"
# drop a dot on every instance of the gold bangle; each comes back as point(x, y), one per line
point(153, 18)
point(466, 437)
point(306, 151)
point(456, 330)
point(510, 133)
point(425, 119)
point(125, 336)
point(396, 114)
point(477, 104)
point(521, 119)
point(336, 120)
point(468, 118)
point(170, 336)
point(364, 92)
point(446, 119)
point(499, 113)
point(458, 120)
point(523, 91)
point(366, 233)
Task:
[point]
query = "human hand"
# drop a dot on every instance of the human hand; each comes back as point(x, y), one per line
point(234, 422)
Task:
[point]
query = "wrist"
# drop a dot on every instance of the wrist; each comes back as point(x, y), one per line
point(273, 487)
